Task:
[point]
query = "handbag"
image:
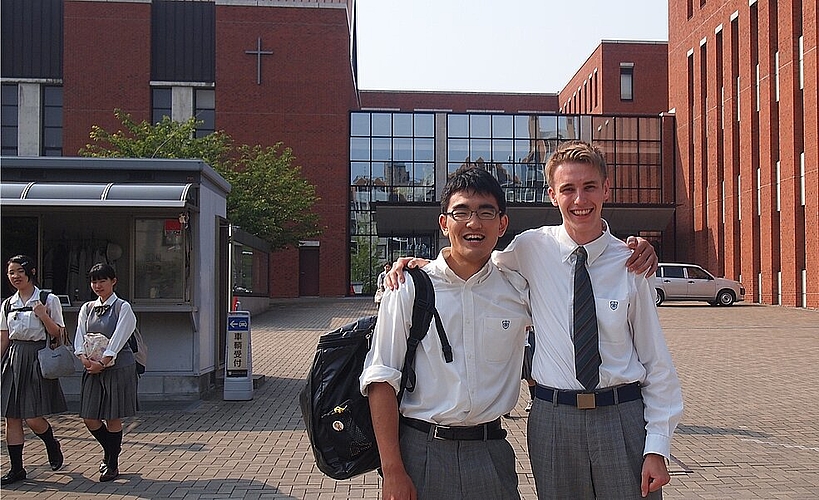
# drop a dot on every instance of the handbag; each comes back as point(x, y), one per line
point(57, 361)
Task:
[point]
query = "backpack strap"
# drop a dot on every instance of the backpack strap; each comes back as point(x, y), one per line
point(7, 303)
point(132, 340)
point(423, 311)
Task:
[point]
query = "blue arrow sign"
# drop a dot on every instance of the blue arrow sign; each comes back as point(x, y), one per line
point(235, 324)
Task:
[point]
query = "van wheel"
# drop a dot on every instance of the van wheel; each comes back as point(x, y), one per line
point(725, 298)
point(660, 297)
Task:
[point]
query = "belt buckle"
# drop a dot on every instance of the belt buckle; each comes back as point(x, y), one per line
point(586, 401)
point(436, 429)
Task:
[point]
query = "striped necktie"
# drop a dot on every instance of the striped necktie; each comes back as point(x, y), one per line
point(586, 350)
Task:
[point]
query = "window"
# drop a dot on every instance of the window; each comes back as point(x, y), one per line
point(695, 273)
point(204, 105)
point(250, 270)
point(673, 272)
point(160, 262)
point(626, 81)
point(9, 119)
point(160, 104)
point(52, 124)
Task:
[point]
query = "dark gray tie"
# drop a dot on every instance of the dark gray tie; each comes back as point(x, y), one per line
point(586, 351)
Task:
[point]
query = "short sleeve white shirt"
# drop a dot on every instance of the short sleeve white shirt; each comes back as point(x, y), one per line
point(485, 318)
point(25, 325)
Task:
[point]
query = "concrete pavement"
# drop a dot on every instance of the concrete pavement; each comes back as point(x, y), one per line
point(750, 430)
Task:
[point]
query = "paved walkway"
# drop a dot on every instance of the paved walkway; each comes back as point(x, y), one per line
point(751, 427)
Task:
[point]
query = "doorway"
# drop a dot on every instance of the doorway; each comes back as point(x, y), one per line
point(308, 271)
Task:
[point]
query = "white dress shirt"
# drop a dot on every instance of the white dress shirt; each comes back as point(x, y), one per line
point(485, 318)
point(632, 345)
point(126, 323)
point(25, 325)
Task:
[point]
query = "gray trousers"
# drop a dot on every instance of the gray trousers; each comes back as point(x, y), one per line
point(587, 454)
point(452, 470)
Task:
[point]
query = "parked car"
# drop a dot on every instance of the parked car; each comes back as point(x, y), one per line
point(692, 282)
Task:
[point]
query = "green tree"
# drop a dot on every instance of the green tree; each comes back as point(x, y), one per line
point(364, 264)
point(269, 196)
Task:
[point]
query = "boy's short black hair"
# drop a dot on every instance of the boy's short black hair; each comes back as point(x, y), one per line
point(101, 271)
point(475, 179)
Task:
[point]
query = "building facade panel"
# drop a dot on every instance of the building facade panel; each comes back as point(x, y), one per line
point(637, 68)
point(748, 67)
point(116, 37)
point(810, 289)
point(458, 102)
point(287, 77)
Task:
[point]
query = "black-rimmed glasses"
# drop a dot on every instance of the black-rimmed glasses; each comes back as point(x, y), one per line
point(461, 215)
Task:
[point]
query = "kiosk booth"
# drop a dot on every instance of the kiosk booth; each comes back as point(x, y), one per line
point(161, 223)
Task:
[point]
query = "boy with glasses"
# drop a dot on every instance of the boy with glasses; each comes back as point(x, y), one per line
point(446, 441)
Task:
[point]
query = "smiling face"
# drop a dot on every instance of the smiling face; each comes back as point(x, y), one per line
point(579, 190)
point(472, 241)
point(18, 277)
point(103, 287)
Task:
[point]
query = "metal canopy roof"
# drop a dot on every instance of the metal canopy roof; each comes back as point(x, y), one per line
point(98, 194)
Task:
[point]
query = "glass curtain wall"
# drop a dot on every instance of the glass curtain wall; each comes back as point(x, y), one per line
point(392, 159)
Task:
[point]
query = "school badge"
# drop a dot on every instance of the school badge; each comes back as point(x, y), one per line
point(613, 304)
point(505, 324)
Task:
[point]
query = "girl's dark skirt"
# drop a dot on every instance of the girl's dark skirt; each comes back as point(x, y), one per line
point(112, 393)
point(25, 393)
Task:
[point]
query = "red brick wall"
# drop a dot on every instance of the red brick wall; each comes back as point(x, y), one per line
point(458, 102)
point(650, 80)
point(303, 101)
point(755, 241)
point(106, 65)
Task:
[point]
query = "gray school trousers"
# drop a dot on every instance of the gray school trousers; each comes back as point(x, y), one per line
point(587, 454)
point(452, 470)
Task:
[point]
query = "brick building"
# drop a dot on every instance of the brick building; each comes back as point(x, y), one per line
point(620, 76)
point(285, 70)
point(745, 99)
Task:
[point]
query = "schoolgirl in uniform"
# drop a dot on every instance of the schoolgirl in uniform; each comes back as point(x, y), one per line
point(26, 395)
point(109, 383)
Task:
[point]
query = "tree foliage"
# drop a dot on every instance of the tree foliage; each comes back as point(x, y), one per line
point(269, 196)
point(364, 264)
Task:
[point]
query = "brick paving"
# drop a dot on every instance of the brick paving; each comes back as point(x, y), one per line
point(750, 430)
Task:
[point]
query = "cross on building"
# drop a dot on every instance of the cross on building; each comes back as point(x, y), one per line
point(259, 53)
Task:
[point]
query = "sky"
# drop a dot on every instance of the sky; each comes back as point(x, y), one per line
point(492, 45)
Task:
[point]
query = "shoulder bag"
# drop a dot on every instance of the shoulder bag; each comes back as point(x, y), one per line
point(57, 361)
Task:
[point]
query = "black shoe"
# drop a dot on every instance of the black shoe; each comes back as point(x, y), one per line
point(55, 460)
point(103, 467)
point(13, 476)
point(109, 475)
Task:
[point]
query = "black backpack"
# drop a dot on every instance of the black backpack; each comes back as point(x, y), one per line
point(335, 413)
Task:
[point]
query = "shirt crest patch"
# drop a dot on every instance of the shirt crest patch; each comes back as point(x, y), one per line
point(613, 304)
point(505, 324)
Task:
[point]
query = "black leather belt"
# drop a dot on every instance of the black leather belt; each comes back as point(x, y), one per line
point(591, 400)
point(482, 432)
